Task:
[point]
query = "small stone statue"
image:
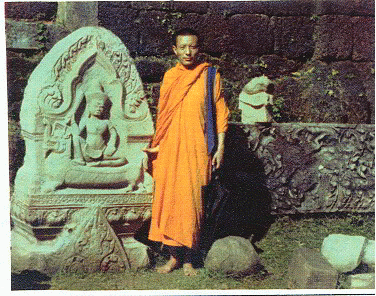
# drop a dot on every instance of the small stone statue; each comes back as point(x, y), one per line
point(254, 100)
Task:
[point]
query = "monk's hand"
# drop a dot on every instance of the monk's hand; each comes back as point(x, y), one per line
point(151, 150)
point(218, 158)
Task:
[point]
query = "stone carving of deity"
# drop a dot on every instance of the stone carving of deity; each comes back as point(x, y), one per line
point(98, 145)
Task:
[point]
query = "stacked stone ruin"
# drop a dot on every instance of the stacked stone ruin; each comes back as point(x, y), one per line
point(81, 213)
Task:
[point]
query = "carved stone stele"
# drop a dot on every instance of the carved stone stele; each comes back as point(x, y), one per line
point(84, 119)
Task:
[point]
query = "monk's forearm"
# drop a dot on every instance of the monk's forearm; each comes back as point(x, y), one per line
point(221, 141)
point(218, 156)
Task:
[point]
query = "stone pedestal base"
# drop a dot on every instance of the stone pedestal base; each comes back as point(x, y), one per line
point(96, 235)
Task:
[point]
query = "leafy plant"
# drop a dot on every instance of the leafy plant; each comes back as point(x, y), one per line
point(42, 35)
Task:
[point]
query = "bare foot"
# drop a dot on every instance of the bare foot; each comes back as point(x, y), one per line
point(189, 270)
point(172, 264)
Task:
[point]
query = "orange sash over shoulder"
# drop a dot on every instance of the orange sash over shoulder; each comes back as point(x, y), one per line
point(176, 84)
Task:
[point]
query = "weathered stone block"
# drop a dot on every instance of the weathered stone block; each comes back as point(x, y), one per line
point(255, 99)
point(369, 254)
point(154, 36)
point(151, 70)
point(364, 39)
point(74, 15)
point(290, 7)
point(125, 27)
point(194, 21)
point(125, 5)
point(343, 252)
point(362, 281)
point(251, 34)
point(216, 33)
point(230, 8)
point(137, 253)
point(327, 93)
point(293, 36)
point(275, 66)
point(349, 7)
point(33, 36)
point(334, 38)
point(233, 255)
point(54, 33)
point(16, 149)
point(36, 11)
point(200, 7)
point(329, 167)
point(366, 74)
point(18, 69)
point(309, 270)
point(150, 5)
point(22, 35)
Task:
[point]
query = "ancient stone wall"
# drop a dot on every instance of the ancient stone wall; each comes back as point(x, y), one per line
point(281, 39)
point(320, 54)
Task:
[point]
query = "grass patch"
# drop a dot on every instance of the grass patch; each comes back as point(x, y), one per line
point(285, 235)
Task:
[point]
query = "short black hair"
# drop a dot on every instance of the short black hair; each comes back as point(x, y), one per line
point(186, 32)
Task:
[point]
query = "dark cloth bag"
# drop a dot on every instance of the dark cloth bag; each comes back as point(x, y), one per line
point(215, 197)
point(236, 203)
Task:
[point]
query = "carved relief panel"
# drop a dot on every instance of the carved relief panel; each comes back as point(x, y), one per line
point(317, 167)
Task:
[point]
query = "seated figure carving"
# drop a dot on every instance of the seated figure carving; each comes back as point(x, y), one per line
point(99, 145)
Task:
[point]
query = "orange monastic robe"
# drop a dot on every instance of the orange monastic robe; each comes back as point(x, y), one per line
point(182, 165)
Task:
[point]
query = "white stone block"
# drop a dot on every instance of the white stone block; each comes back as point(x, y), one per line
point(369, 254)
point(362, 281)
point(343, 252)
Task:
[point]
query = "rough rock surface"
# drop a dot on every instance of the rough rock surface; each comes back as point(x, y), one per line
point(233, 255)
point(362, 281)
point(309, 270)
point(369, 254)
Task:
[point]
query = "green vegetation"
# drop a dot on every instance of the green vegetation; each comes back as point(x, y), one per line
point(285, 235)
point(169, 20)
point(322, 93)
point(42, 35)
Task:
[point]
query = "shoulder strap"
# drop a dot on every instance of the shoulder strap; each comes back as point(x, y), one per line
point(211, 128)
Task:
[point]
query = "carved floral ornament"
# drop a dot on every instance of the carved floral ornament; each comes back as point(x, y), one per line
point(57, 98)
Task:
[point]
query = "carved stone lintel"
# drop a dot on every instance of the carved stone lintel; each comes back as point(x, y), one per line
point(316, 167)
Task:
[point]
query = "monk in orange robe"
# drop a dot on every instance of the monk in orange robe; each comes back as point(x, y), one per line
point(183, 164)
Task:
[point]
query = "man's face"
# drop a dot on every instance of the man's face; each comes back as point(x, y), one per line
point(186, 50)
